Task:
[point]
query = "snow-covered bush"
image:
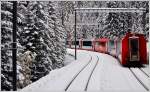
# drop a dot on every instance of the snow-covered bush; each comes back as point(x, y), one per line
point(24, 62)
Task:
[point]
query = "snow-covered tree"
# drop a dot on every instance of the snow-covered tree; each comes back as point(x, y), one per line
point(39, 31)
point(141, 20)
point(43, 35)
point(33, 39)
point(6, 39)
point(118, 24)
point(22, 80)
point(58, 29)
point(42, 28)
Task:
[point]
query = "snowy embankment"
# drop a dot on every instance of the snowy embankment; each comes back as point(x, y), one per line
point(70, 57)
point(58, 79)
point(86, 74)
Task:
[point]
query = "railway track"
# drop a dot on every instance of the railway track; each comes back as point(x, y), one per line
point(81, 72)
point(91, 75)
point(144, 72)
point(77, 75)
point(141, 77)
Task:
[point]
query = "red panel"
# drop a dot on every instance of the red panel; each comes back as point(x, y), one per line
point(100, 48)
point(102, 39)
point(143, 50)
point(125, 49)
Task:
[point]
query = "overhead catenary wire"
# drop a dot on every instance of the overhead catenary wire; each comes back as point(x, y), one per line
point(76, 10)
point(110, 9)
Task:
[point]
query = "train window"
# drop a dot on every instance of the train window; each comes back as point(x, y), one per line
point(134, 45)
point(100, 43)
point(134, 49)
point(77, 42)
point(87, 43)
point(112, 44)
point(118, 47)
point(97, 43)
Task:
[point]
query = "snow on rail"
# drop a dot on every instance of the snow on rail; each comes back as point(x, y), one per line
point(146, 69)
point(114, 77)
point(142, 78)
point(81, 82)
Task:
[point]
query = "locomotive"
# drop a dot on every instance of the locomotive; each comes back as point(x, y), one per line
point(131, 50)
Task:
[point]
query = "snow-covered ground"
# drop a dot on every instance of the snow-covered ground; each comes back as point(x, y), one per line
point(146, 69)
point(69, 57)
point(91, 71)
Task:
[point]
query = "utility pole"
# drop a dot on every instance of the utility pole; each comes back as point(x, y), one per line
point(14, 50)
point(98, 30)
point(62, 17)
point(75, 35)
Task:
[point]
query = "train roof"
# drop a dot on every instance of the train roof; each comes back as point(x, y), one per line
point(102, 39)
point(129, 34)
point(87, 39)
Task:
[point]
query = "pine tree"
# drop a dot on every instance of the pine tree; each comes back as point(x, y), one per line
point(57, 57)
point(115, 23)
point(43, 35)
point(141, 20)
point(21, 24)
point(33, 40)
point(6, 34)
point(22, 11)
point(118, 24)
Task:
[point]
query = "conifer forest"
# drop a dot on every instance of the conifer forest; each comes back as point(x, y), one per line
point(43, 28)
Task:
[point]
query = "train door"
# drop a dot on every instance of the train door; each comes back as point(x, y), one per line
point(102, 46)
point(118, 47)
point(111, 47)
point(134, 48)
point(80, 43)
point(96, 46)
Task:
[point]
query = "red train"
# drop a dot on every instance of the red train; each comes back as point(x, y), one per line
point(130, 50)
